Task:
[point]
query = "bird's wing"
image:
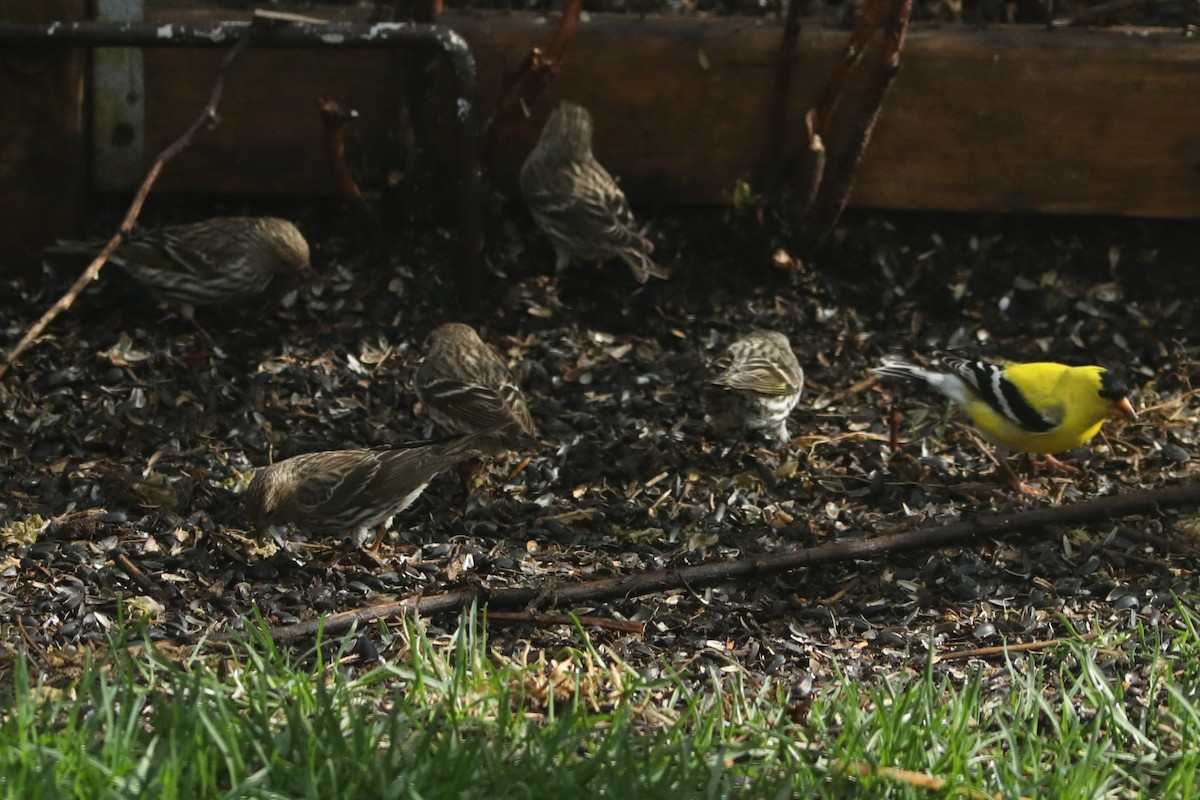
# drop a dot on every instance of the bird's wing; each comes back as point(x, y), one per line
point(1023, 397)
point(757, 375)
point(339, 484)
point(161, 255)
point(1039, 385)
point(514, 399)
point(480, 406)
point(405, 470)
point(588, 202)
point(608, 195)
point(202, 249)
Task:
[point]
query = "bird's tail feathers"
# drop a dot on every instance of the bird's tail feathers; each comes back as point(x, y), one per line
point(899, 369)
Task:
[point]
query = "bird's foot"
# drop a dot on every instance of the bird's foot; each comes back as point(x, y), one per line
point(365, 557)
point(1020, 487)
point(1050, 462)
point(1009, 480)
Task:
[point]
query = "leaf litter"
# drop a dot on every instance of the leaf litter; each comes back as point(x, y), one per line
point(125, 435)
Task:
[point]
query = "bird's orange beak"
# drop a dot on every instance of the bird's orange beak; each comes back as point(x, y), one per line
point(1125, 409)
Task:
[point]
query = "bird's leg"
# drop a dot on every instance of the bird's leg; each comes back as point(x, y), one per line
point(189, 313)
point(374, 548)
point(1009, 478)
point(781, 434)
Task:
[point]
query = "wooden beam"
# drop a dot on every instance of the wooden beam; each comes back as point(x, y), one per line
point(1005, 119)
point(43, 175)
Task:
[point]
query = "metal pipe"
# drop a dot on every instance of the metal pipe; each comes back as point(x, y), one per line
point(267, 33)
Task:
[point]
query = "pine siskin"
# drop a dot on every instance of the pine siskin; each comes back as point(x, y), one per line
point(218, 260)
point(576, 202)
point(466, 387)
point(760, 382)
point(346, 492)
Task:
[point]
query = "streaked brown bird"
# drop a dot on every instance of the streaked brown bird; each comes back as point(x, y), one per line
point(760, 382)
point(576, 202)
point(465, 387)
point(218, 260)
point(347, 492)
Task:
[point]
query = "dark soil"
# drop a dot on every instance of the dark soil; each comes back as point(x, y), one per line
point(126, 439)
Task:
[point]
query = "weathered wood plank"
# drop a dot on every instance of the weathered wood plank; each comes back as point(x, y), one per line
point(1019, 120)
point(1096, 123)
point(43, 178)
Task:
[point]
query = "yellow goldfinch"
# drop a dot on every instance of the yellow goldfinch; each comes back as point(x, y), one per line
point(1040, 407)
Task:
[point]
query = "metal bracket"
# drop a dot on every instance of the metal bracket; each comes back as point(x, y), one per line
point(118, 105)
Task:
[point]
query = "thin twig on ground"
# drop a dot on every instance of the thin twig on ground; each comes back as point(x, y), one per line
point(143, 582)
point(837, 596)
point(1019, 647)
point(918, 779)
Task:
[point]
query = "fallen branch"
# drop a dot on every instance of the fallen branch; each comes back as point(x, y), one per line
point(643, 583)
point(1004, 649)
point(208, 117)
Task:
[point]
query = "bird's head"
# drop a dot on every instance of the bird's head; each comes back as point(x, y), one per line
point(568, 132)
point(450, 336)
point(1116, 393)
point(778, 339)
point(290, 246)
point(267, 488)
